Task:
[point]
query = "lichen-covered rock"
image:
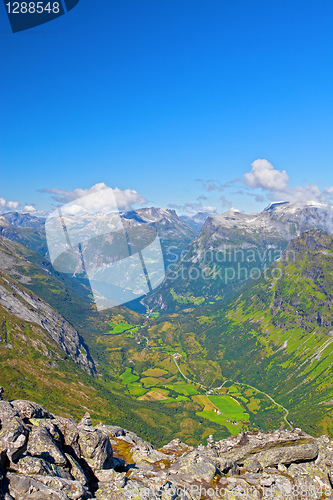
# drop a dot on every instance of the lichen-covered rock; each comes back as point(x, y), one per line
point(132, 490)
point(46, 457)
point(142, 453)
point(76, 470)
point(95, 446)
point(136, 490)
point(41, 444)
point(22, 487)
point(73, 489)
point(194, 467)
point(34, 465)
point(7, 412)
point(285, 455)
point(105, 475)
point(128, 436)
point(13, 432)
point(70, 433)
point(27, 409)
point(51, 426)
point(240, 448)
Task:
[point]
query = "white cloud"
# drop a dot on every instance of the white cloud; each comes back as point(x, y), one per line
point(274, 184)
point(29, 208)
point(210, 210)
point(99, 198)
point(127, 198)
point(299, 195)
point(263, 175)
point(13, 205)
point(8, 205)
point(192, 208)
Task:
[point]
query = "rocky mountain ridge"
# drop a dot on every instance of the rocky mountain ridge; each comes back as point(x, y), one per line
point(23, 219)
point(44, 456)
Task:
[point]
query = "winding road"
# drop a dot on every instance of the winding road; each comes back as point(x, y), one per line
point(209, 391)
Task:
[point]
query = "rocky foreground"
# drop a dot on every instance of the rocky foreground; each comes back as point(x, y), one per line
point(47, 457)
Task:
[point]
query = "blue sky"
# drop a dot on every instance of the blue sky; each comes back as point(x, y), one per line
point(152, 95)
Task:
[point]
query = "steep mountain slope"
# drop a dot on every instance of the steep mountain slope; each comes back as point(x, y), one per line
point(276, 335)
point(196, 221)
point(29, 308)
point(230, 249)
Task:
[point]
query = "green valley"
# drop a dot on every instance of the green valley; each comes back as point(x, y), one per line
point(255, 362)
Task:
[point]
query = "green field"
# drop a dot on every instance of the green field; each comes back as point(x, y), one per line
point(152, 381)
point(154, 372)
point(128, 377)
point(154, 315)
point(137, 390)
point(221, 420)
point(186, 389)
point(229, 407)
point(119, 328)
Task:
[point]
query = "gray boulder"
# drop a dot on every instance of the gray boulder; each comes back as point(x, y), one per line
point(76, 470)
point(73, 489)
point(143, 453)
point(27, 409)
point(70, 434)
point(194, 467)
point(95, 446)
point(51, 426)
point(135, 490)
point(285, 455)
point(13, 433)
point(41, 444)
point(34, 465)
point(22, 487)
point(128, 436)
point(241, 448)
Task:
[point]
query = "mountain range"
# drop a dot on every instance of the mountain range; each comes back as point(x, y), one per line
point(207, 358)
point(228, 248)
